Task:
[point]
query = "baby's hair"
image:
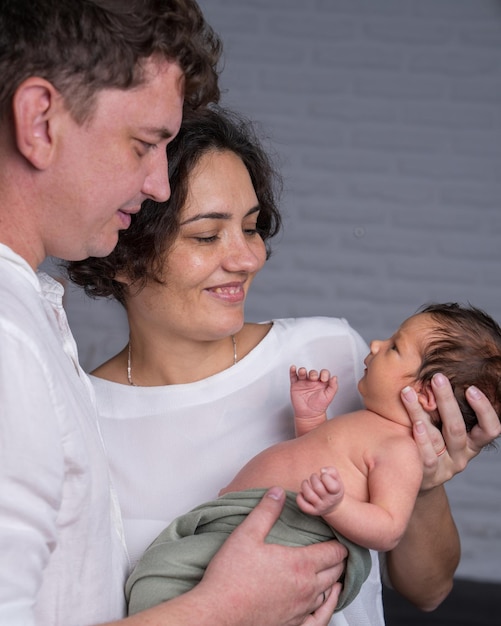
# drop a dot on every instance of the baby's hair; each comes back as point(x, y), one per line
point(466, 348)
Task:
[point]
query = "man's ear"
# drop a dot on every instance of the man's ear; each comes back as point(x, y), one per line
point(34, 105)
point(426, 398)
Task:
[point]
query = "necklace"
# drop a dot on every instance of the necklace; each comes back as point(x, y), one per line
point(129, 366)
point(234, 342)
point(129, 369)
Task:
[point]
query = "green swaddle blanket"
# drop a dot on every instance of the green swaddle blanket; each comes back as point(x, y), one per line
point(176, 561)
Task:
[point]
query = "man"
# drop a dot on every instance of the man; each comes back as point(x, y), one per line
point(91, 94)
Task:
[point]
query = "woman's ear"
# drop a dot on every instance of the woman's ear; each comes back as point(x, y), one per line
point(34, 106)
point(121, 277)
point(426, 398)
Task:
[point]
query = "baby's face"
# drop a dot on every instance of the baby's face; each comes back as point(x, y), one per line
point(393, 363)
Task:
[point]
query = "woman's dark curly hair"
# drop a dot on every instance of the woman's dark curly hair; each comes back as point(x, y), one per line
point(142, 248)
point(466, 348)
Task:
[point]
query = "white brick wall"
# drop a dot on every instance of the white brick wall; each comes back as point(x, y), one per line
point(386, 119)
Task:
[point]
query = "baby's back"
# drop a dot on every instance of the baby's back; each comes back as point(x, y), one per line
point(347, 442)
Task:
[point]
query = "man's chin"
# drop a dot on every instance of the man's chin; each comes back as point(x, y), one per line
point(104, 248)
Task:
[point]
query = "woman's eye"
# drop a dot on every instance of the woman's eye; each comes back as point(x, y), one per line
point(251, 228)
point(208, 239)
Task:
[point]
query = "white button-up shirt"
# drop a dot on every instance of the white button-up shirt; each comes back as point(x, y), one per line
point(62, 556)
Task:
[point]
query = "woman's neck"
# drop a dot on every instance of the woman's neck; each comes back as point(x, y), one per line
point(149, 361)
point(165, 367)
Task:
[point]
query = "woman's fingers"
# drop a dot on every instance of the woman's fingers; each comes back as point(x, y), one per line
point(447, 452)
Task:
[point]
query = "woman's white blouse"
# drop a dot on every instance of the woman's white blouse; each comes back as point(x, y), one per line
point(174, 447)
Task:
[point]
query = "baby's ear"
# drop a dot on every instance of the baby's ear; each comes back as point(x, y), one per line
point(426, 398)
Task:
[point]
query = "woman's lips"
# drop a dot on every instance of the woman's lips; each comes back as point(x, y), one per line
point(228, 293)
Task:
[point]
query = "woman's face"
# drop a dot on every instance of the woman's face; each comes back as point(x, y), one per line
point(214, 258)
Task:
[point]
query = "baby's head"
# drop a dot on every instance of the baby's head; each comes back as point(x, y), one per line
point(465, 346)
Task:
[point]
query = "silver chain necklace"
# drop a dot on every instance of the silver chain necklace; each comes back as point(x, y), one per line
point(129, 366)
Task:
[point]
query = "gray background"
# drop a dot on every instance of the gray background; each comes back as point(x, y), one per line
point(385, 116)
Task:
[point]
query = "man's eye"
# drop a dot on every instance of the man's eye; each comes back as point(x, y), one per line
point(144, 147)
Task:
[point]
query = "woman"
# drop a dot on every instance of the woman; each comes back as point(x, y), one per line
point(197, 391)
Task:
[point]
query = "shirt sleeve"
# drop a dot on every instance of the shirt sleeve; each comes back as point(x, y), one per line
point(361, 351)
point(31, 477)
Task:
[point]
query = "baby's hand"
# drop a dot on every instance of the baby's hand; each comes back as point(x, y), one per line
point(311, 392)
point(321, 494)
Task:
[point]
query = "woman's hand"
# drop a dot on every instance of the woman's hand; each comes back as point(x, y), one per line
point(422, 566)
point(447, 453)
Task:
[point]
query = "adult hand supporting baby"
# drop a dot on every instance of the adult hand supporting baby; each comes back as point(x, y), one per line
point(422, 566)
point(269, 584)
point(448, 453)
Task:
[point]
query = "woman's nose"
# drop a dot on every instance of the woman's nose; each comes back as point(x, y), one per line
point(245, 256)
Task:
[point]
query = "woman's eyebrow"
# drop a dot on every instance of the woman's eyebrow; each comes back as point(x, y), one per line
point(217, 215)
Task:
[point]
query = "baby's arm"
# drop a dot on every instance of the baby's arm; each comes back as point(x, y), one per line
point(393, 483)
point(311, 394)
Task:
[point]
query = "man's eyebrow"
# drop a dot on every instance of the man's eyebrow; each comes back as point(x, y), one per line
point(216, 215)
point(161, 132)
